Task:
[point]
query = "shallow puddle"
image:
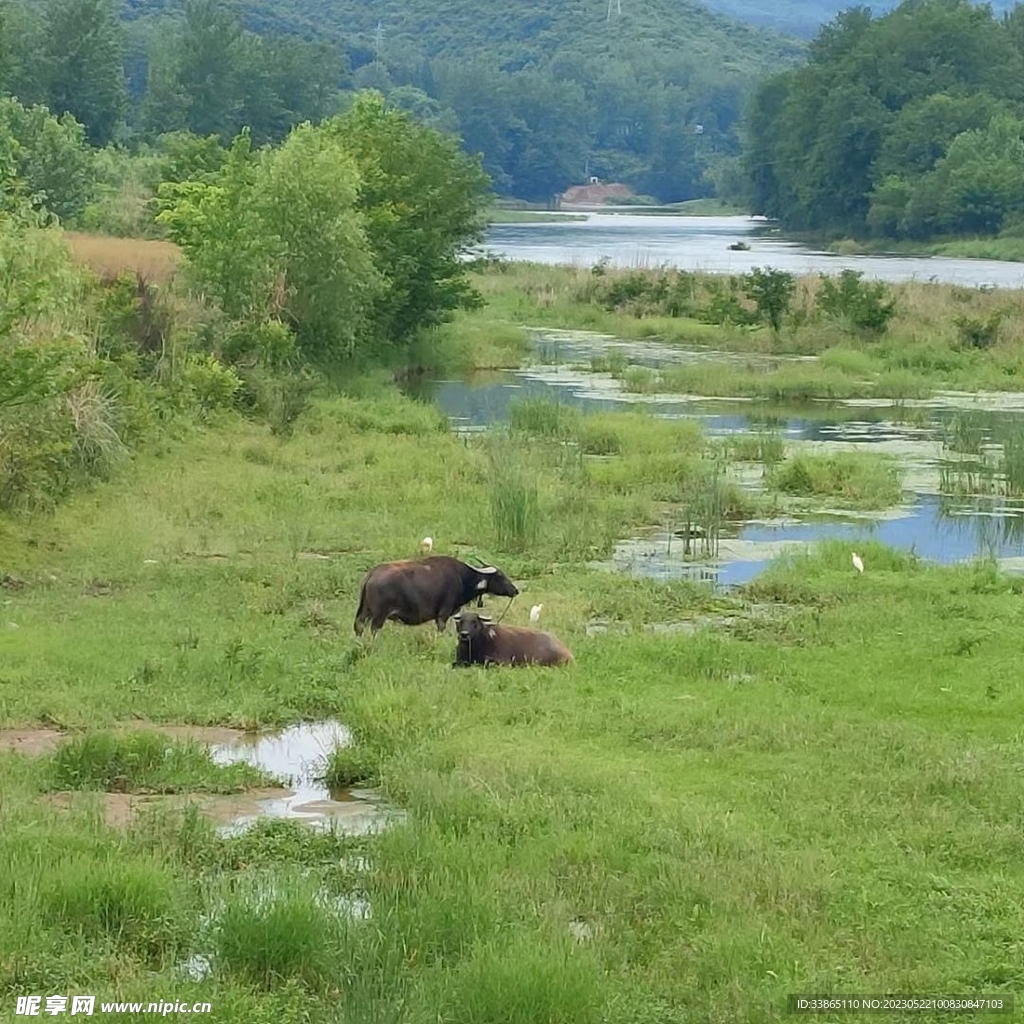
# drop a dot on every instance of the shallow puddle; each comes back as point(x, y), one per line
point(297, 756)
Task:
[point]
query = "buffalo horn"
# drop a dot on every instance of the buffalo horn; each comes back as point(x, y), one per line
point(487, 568)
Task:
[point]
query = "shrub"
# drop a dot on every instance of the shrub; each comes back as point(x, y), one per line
point(866, 306)
point(772, 292)
point(209, 384)
point(977, 333)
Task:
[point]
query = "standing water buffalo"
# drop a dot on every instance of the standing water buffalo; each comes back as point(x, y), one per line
point(483, 643)
point(428, 588)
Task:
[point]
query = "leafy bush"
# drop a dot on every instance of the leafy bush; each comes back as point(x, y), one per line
point(51, 157)
point(772, 292)
point(135, 322)
point(865, 306)
point(974, 332)
point(210, 384)
point(724, 305)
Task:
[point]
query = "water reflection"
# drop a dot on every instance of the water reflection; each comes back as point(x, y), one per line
point(935, 528)
point(297, 755)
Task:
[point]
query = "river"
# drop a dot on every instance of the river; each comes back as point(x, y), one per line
point(702, 243)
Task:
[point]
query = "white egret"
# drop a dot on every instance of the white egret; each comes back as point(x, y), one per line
point(426, 545)
point(857, 563)
point(535, 612)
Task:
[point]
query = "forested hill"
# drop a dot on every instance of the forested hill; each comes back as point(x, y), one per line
point(647, 92)
point(805, 17)
point(511, 35)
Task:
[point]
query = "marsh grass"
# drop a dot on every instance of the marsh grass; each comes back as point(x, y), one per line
point(543, 417)
point(766, 447)
point(136, 901)
point(269, 934)
point(856, 479)
point(922, 349)
point(141, 761)
point(702, 510)
point(515, 505)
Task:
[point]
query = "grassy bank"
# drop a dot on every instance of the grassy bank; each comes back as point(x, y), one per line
point(706, 208)
point(938, 336)
point(992, 248)
point(676, 828)
point(500, 215)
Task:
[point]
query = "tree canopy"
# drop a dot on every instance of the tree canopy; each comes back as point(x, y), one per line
point(650, 94)
point(906, 125)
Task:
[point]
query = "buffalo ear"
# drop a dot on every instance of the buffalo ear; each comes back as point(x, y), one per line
point(481, 585)
point(491, 633)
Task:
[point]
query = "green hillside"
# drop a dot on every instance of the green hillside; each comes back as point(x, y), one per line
point(546, 93)
point(649, 94)
point(516, 35)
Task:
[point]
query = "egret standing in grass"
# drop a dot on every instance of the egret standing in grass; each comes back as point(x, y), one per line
point(535, 612)
point(426, 545)
point(857, 563)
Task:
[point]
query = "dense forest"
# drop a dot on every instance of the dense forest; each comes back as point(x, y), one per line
point(650, 95)
point(910, 125)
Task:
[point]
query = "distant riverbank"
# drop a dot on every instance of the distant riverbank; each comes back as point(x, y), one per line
point(1009, 249)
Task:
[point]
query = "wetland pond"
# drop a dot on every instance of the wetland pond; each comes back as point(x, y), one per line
point(941, 443)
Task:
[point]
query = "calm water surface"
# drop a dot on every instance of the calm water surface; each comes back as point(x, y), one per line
point(702, 243)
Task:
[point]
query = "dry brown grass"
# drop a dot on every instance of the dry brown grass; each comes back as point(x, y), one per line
point(107, 256)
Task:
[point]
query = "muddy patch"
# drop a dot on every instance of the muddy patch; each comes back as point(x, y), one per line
point(41, 741)
point(120, 809)
point(33, 742)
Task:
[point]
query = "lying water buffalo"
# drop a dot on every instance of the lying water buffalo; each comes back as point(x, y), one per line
point(481, 642)
point(428, 588)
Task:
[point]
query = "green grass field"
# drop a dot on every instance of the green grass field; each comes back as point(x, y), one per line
point(817, 790)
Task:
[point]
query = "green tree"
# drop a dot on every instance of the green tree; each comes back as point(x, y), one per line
point(82, 64)
point(846, 142)
point(208, 70)
point(307, 194)
point(219, 228)
point(978, 183)
point(772, 292)
point(50, 157)
point(422, 199)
